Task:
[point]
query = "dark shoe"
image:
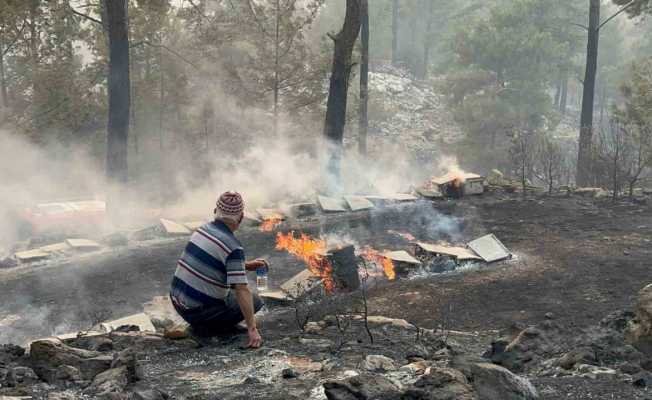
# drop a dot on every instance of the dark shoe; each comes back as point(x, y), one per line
point(200, 337)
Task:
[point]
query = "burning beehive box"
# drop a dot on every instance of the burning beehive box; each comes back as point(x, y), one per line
point(270, 219)
point(301, 283)
point(336, 267)
point(382, 201)
point(458, 184)
point(441, 258)
point(172, 228)
point(31, 255)
point(83, 244)
point(429, 190)
point(490, 248)
point(331, 204)
point(458, 253)
point(302, 210)
point(402, 261)
point(345, 267)
point(358, 203)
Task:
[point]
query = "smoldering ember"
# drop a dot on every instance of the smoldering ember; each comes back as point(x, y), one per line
point(326, 199)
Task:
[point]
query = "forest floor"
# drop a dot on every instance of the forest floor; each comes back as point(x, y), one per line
point(577, 258)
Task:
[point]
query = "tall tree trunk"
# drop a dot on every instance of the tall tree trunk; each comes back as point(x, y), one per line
point(4, 98)
point(603, 100)
point(34, 57)
point(563, 100)
point(119, 93)
point(161, 133)
point(586, 121)
point(161, 104)
point(364, 77)
point(134, 122)
point(394, 32)
point(411, 57)
point(276, 65)
point(339, 84)
point(426, 40)
point(558, 89)
point(134, 75)
point(551, 165)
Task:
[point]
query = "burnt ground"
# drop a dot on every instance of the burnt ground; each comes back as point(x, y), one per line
point(63, 297)
point(577, 258)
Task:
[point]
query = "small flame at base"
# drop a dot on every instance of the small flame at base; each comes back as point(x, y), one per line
point(375, 256)
point(269, 224)
point(312, 252)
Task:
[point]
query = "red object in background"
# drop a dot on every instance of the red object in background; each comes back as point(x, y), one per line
point(64, 216)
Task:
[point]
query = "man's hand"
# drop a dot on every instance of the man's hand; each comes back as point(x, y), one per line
point(255, 340)
point(246, 303)
point(257, 263)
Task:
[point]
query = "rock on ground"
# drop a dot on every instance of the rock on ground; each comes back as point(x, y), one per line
point(530, 345)
point(377, 363)
point(114, 380)
point(639, 331)
point(49, 356)
point(441, 384)
point(493, 382)
point(362, 387)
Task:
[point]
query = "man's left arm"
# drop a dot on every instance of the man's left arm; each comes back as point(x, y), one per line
point(236, 278)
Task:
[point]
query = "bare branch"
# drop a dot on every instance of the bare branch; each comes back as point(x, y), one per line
point(199, 11)
point(623, 9)
point(85, 16)
point(580, 25)
point(251, 9)
point(15, 40)
point(171, 51)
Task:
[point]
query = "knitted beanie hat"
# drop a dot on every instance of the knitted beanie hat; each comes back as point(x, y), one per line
point(230, 206)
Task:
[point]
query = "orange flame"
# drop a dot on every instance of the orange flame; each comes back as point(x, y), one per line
point(404, 235)
point(312, 252)
point(374, 256)
point(269, 224)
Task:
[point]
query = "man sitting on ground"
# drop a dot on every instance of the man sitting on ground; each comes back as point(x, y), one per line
point(209, 289)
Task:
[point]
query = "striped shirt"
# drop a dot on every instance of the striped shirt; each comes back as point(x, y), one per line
point(212, 262)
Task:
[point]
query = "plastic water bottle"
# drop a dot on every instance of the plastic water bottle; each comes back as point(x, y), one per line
point(261, 278)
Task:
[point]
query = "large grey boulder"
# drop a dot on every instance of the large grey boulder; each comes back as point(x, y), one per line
point(583, 355)
point(440, 384)
point(493, 382)
point(19, 376)
point(47, 356)
point(639, 331)
point(149, 394)
point(114, 380)
point(530, 345)
point(378, 363)
point(362, 387)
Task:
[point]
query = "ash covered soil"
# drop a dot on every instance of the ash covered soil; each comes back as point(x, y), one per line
point(577, 258)
point(557, 314)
